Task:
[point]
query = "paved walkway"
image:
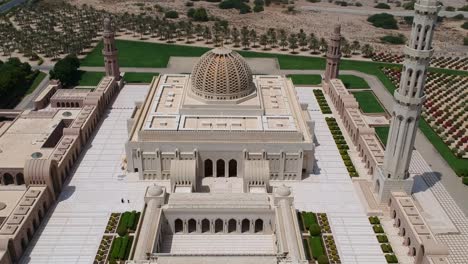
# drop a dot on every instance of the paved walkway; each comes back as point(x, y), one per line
point(72, 231)
point(28, 101)
point(457, 243)
point(330, 189)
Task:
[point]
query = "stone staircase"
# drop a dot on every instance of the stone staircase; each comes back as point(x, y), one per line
point(217, 244)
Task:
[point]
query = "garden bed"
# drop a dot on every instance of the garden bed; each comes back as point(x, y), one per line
point(342, 145)
point(319, 242)
point(368, 103)
point(383, 240)
point(324, 107)
point(116, 244)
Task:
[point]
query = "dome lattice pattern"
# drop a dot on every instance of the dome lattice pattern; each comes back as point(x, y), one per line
point(222, 74)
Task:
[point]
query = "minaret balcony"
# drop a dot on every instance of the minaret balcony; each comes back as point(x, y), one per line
point(414, 53)
point(427, 9)
point(407, 99)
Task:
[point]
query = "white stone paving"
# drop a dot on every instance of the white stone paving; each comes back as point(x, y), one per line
point(457, 243)
point(72, 232)
point(331, 190)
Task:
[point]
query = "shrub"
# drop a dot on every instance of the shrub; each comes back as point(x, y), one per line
point(200, 15)
point(314, 230)
point(409, 6)
point(382, 238)
point(115, 249)
point(391, 258)
point(464, 8)
point(171, 14)
point(382, 6)
point(309, 219)
point(450, 8)
point(383, 20)
point(374, 220)
point(322, 259)
point(459, 17)
point(386, 248)
point(465, 25)
point(394, 39)
point(465, 180)
point(123, 247)
point(122, 228)
point(378, 229)
point(189, 3)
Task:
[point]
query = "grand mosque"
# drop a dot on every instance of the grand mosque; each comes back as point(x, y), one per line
point(219, 149)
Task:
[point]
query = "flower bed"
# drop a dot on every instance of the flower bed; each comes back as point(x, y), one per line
point(342, 145)
point(445, 109)
point(112, 223)
point(103, 251)
point(455, 63)
point(383, 240)
point(116, 245)
point(320, 244)
point(322, 102)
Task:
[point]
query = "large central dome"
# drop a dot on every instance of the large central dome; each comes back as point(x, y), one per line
point(222, 74)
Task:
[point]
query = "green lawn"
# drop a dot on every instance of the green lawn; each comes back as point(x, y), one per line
point(309, 219)
point(368, 102)
point(457, 164)
point(90, 78)
point(382, 133)
point(305, 79)
point(354, 82)
point(40, 76)
point(139, 77)
point(143, 54)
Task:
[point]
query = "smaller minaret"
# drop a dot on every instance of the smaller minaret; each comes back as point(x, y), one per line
point(109, 51)
point(333, 55)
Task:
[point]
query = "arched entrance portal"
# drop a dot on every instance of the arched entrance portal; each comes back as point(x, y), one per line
point(178, 226)
point(208, 168)
point(220, 170)
point(232, 168)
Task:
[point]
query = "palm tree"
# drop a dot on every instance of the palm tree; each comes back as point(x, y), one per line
point(283, 39)
point(314, 43)
point(272, 40)
point(355, 47)
point(302, 38)
point(235, 37)
point(367, 50)
point(245, 37)
point(253, 37)
point(292, 42)
point(264, 41)
point(346, 49)
point(323, 45)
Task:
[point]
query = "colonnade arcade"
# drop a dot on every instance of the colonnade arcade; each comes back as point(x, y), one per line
point(219, 226)
point(220, 168)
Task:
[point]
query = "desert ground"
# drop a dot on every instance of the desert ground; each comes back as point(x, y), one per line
point(448, 39)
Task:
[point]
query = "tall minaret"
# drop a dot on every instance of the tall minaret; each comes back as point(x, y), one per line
point(408, 99)
point(333, 55)
point(109, 51)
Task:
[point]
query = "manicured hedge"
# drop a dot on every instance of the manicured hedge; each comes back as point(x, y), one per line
point(121, 247)
point(309, 219)
point(391, 258)
point(374, 220)
point(314, 230)
point(382, 238)
point(128, 221)
point(316, 245)
point(378, 229)
point(386, 248)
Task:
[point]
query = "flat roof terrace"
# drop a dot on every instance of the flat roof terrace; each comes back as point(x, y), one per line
point(27, 134)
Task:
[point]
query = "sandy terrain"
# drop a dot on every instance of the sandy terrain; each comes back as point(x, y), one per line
point(448, 38)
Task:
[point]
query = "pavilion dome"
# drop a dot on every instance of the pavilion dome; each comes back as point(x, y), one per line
point(283, 191)
point(222, 74)
point(155, 190)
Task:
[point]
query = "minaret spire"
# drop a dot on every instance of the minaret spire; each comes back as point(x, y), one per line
point(408, 100)
point(109, 51)
point(333, 54)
